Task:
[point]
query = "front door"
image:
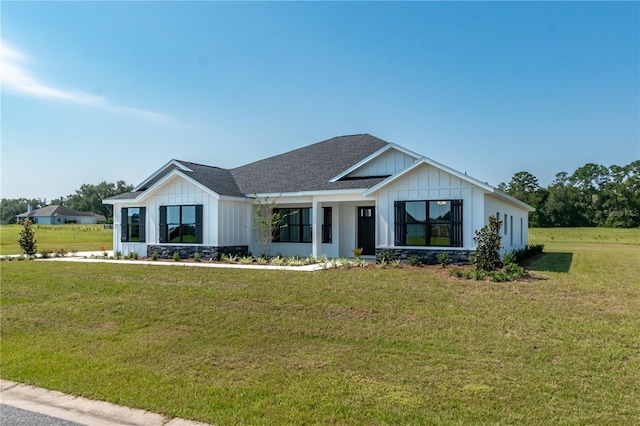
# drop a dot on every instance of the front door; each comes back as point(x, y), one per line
point(367, 230)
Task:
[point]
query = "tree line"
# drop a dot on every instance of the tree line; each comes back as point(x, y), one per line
point(88, 198)
point(593, 195)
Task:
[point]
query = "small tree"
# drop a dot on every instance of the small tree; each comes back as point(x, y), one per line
point(488, 240)
point(27, 238)
point(267, 223)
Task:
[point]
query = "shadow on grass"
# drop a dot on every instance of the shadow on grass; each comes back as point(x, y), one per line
point(552, 262)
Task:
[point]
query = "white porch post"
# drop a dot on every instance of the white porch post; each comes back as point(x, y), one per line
point(316, 229)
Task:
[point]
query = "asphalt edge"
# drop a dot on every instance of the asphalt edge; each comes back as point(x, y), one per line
point(81, 410)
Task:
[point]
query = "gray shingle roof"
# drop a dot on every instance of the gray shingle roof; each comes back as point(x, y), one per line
point(305, 169)
point(219, 180)
point(309, 168)
point(54, 210)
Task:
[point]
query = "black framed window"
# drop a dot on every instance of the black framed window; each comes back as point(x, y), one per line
point(295, 225)
point(132, 224)
point(327, 220)
point(181, 224)
point(428, 223)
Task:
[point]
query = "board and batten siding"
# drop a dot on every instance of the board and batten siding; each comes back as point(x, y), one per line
point(234, 222)
point(386, 164)
point(429, 183)
point(516, 236)
point(179, 192)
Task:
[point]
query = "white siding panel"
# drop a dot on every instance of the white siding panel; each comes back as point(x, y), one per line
point(428, 183)
point(386, 164)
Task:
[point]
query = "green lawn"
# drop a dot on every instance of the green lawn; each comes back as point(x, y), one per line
point(357, 346)
point(52, 237)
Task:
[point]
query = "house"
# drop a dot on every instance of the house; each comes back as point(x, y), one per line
point(59, 215)
point(347, 192)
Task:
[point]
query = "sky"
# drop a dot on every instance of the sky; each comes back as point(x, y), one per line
point(108, 91)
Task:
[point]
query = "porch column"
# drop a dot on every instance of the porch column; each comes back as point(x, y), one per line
point(316, 229)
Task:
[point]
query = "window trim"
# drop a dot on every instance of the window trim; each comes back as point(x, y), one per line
point(163, 225)
point(455, 223)
point(327, 225)
point(124, 225)
point(302, 226)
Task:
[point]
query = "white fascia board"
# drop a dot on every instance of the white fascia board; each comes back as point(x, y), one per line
point(171, 175)
point(161, 170)
point(232, 198)
point(508, 198)
point(305, 193)
point(361, 162)
point(120, 201)
point(373, 156)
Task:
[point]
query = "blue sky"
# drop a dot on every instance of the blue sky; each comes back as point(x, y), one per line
point(109, 91)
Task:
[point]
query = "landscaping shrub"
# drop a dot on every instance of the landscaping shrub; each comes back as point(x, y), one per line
point(27, 238)
point(196, 257)
point(414, 260)
point(488, 241)
point(176, 256)
point(154, 255)
point(444, 258)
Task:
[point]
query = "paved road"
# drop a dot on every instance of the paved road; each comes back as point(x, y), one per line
point(11, 416)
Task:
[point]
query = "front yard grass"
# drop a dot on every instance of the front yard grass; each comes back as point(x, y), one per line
point(52, 237)
point(357, 346)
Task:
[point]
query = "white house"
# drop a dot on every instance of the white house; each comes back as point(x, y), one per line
point(347, 192)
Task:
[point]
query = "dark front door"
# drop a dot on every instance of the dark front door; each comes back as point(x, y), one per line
point(367, 230)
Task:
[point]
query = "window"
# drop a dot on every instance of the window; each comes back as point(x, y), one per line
point(511, 227)
point(327, 220)
point(181, 224)
point(505, 223)
point(295, 225)
point(428, 223)
point(520, 231)
point(132, 224)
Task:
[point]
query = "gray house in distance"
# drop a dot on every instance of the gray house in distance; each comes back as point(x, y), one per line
point(60, 215)
point(346, 192)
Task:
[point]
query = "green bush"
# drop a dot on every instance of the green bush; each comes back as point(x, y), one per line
point(444, 258)
point(414, 260)
point(27, 238)
point(488, 240)
point(196, 257)
point(176, 256)
point(385, 256)
point(154, 255)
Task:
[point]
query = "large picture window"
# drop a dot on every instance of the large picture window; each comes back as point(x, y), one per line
point(132, 224)
point(181, 224)
point(295, 225)
point(428, 223)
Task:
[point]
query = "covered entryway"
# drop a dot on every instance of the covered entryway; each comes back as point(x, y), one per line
point(367, 230)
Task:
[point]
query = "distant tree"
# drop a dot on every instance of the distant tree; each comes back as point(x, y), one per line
point(524, 186)
point(27, 238)
point(89, 197)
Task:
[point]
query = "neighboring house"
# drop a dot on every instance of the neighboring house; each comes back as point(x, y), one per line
point(59, 215)
point(346, 192)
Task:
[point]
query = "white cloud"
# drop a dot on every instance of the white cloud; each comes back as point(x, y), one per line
point(15, 77)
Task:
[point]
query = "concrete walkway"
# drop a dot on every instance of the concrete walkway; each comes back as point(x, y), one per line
point(98, 256)
point(81, 410)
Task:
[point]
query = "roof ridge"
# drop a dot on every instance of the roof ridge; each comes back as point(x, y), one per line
point(200, 164)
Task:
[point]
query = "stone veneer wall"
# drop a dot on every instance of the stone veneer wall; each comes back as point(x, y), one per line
point(187, 251)
point(428, 256)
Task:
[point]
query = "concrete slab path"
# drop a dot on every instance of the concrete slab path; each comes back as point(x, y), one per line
point(81, 410)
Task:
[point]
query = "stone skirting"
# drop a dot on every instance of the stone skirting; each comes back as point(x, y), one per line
point(187, 251)
point(427, 256)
